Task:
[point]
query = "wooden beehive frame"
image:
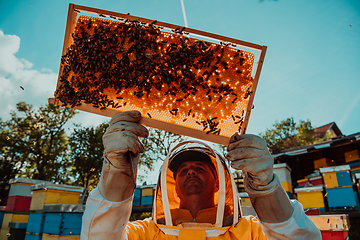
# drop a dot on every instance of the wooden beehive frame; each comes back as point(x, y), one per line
point(109, 112)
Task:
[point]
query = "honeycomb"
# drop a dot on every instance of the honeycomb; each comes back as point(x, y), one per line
point(166, 75)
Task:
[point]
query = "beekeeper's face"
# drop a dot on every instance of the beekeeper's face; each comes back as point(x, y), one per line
point(195, 177)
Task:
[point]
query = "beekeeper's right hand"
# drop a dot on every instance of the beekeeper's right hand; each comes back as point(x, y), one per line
point(121, 140)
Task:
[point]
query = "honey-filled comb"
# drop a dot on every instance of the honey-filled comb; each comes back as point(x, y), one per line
point(181, 80)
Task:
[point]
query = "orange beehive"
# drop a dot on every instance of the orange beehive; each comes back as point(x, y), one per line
point(116, 62)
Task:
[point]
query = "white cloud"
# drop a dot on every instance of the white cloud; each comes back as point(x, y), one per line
point(15, 72)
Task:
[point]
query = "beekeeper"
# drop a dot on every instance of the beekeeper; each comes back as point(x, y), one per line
point(196, 197)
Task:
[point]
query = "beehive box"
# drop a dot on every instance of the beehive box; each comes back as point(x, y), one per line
point(35, 223)
point(311, 197)
point(22, 186)
point(137, 197)
point(332, 227)
point(239, 181)
point(283, 171)
point(244, 199)
point(62, 223)
point(18, 204)
point(147, 194)
point(303, 182)
point(14, 217)
point(316, 180)
point(342, 198)
point(191, 86)
point(338, 176)
point(47, 194)
point(354, 167)
point(323, 162)
point(352, 156)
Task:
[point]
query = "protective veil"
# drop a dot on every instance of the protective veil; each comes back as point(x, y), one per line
point(104, 219)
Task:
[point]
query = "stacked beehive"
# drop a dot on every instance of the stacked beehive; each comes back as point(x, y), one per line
point(55, 212)
point(244, 199)
point(339, 188)
point(303, 182)
point(239, 181)
point(315, 179)
point(147, 195)
point(283, 171)
point(332, 227)
point(323, 162)
point(310, 192)
point(353, 160)
point(144, 195)
point(357, 184)
point(15, 216)
point(137, 197)
point(311, 197)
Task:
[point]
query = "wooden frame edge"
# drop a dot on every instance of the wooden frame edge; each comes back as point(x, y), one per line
point(255, 83)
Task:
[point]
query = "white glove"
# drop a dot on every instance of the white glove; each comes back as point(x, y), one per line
point(121, 137)
point(121, 140)
point(250, 154)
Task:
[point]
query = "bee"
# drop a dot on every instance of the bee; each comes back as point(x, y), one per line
point(233, 117)
point(242, 61)
point(22, 88)
point(149, 115)
point(211, 130)
point(102, 15)
point(234, 100)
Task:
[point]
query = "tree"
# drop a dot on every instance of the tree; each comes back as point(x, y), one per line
point(288, 134)
point(36, 142)
point(158, 145)
point(86, 153)
point(7, 165)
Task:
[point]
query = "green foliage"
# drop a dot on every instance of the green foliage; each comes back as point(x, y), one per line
point(33, 144)
point(288, 134)
point(139, 216)
point(86, 154)
point(157, 146)
point(37, 141)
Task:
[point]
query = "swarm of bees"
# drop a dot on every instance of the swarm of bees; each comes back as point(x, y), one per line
point(166, 75)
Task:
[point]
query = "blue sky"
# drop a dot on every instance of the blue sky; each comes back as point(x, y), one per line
point(311, 69)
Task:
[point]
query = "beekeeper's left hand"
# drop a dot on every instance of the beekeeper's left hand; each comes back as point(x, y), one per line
point(250, 154)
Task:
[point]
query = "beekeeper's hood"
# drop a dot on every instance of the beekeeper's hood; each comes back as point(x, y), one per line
point(166, 199)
